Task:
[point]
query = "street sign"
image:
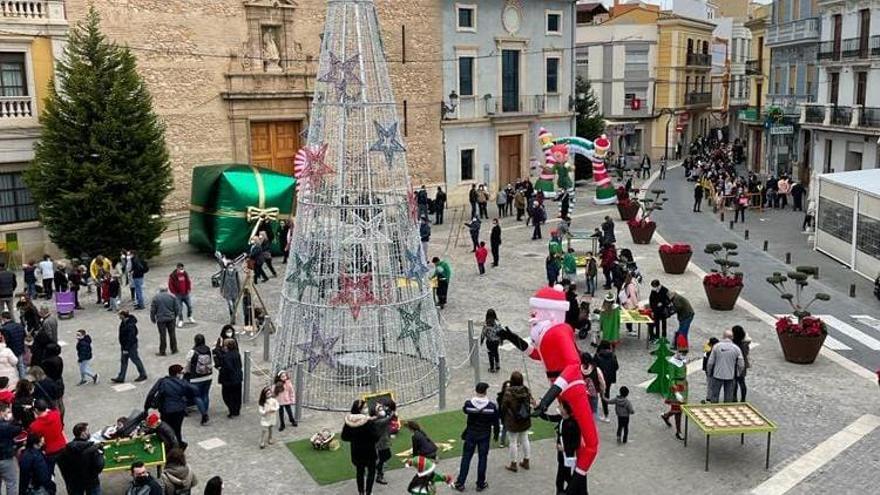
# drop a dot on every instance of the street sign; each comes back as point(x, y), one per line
point(781, 129)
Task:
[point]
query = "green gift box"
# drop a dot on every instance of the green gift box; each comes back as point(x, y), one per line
point(227, 200)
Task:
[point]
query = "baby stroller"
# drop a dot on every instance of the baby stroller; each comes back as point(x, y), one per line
point(65, 304)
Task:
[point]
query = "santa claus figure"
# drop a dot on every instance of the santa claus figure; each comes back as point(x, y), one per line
point(552, 342)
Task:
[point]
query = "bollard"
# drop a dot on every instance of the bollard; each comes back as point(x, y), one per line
point(471, 341)
point(722, 216)
point(265, 345)
point(787, 258)
point(441, 391)
point(298, 387)
point(852, 290)
point(731, 224)
point(816, 274)
point(475, 349)
point(374, 379)
point(765, 245)
point(246, 384)
point(747, 234)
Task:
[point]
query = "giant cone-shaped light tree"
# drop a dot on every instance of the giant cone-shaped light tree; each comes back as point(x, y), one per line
point(357, 310)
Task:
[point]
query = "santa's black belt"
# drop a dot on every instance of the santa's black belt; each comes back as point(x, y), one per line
point(553, 374)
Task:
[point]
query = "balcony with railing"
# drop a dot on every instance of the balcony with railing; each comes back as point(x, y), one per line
point(790, 104)
point(797, 31)
point(698, 99)
point(814, 114)
point(493, 106)
point(841, 115)
point(753, 67)
point(870, 117)
point(13, 108)
point(699, 59)
point(31, 10)
point(850, 48)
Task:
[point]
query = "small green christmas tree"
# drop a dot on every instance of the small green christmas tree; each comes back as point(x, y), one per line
point(101, 171)
point(662, 368)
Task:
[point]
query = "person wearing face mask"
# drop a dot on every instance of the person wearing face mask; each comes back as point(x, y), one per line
point(8, 432)
point(141, 481)
point(660, 305)
point(34, 474)
point(568, 437)
point(230, 288)
point(180, 285)
point(81, 463)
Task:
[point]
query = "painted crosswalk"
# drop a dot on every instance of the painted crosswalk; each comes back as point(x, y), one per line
point(851, 332)
point(868, 320)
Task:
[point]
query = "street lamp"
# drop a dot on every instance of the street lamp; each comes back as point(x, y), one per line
point(446, 109)
point(670, 112)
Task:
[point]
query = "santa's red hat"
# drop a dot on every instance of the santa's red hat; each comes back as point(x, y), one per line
point(552, 298)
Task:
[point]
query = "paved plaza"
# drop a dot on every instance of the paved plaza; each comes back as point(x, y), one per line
point(810, 403)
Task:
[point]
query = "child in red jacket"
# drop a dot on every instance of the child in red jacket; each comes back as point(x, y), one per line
point(481, 254)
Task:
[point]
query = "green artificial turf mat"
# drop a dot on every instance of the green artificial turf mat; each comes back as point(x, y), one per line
point(445, 428)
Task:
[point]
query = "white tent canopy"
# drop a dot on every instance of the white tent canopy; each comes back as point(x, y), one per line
point(848, 219)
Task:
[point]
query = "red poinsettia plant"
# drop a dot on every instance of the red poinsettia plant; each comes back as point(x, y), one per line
point(676, 248)
point(723, 276)
point(806, 323)
point(807, 327)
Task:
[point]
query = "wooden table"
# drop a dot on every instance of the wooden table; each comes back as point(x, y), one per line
point(633, 316)
point(731, 418)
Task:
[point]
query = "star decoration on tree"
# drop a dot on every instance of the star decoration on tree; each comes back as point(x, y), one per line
point(342, 75)
point(367, 230)
point(355, 292)
point(319, 347)
point(412, 325)
point(301, 275)
point(416, 267)
point(314, 165)
point(389, 141)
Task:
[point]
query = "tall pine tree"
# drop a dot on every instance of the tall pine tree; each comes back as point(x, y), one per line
point(590, 122)
point(101, 171)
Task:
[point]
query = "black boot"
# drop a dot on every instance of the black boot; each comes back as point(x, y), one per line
point(548, 399)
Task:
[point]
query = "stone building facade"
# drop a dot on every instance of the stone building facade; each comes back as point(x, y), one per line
point(233, 79)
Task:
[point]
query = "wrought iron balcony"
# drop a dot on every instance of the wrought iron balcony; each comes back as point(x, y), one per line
point(699, 59)
point(841, 115)
point(753, 67)
point(698, 99)
point(870, 117)
point(814, 114)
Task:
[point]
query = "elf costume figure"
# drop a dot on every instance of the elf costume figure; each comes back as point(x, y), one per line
point(609, 320)
point(424, 482)
point(559, 157)
point(548, 168)
point(605, 193)
point(552, 342)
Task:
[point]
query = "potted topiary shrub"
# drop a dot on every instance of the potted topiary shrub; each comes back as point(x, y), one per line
point(625, 205)
point(642, 227)
point(801, 340)
point(723, 286)
point(675, 257)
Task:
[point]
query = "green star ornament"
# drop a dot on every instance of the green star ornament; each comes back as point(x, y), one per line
point(412, 324)
point(301, 274)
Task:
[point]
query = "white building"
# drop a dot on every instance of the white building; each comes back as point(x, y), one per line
point(618, 58)
point(740, 84)
point(508, 72)
point(846, 117)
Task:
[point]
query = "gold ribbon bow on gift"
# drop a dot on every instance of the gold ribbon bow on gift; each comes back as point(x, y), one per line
point(260, 215)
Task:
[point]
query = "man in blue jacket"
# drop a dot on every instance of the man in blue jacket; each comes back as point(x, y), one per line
point(170, 396)
point(482, 421)
point(13, 334)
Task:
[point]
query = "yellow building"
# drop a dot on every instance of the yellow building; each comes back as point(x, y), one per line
point(684, 85)
point(758, 70)
point(34, 33)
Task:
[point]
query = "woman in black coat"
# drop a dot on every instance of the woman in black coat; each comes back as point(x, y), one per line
point(607, 362)
point(230, 377)
point(360, 431)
